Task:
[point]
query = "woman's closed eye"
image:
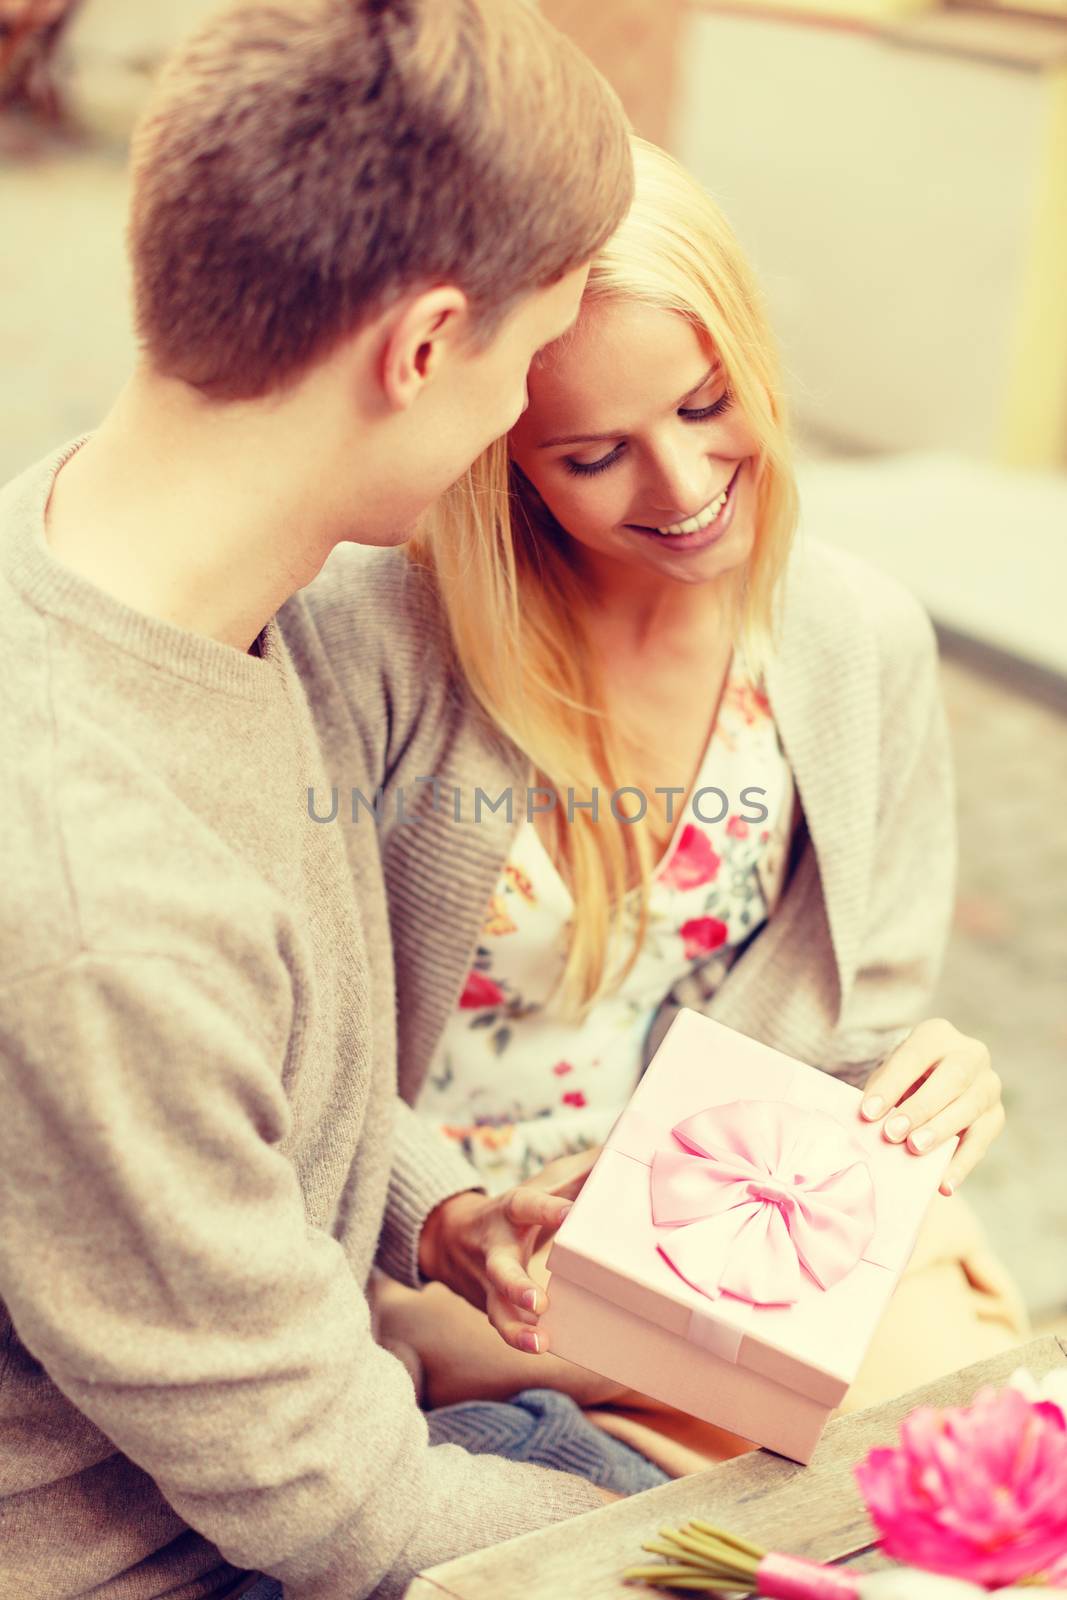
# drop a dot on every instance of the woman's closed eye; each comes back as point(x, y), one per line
point(588, 469)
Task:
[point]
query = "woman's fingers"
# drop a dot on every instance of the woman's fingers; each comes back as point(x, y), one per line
point(958, 1115)
point(513, 1300)
point(527, 1207)
point(973, 1145)
point(517, 1334)
point(509, 1279)
point(956, 1082)
point(938, 1083)
point(566, 1175)
point(516, 1327)
point(921, 1051)
point(572, 1187)
point(929, 1073)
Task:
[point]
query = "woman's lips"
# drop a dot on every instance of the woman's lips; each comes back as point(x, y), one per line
point(702, 537)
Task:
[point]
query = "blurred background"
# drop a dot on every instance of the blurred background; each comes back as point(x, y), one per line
point(897, 170)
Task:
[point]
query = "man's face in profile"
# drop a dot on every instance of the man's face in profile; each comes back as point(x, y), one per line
point(476, 397)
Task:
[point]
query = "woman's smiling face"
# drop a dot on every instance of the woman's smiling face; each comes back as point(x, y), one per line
point(630, 432)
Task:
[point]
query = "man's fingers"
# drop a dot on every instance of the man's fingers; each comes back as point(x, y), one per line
point(924, 1047)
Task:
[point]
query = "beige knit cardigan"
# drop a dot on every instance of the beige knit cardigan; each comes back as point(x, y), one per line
point(847, 962)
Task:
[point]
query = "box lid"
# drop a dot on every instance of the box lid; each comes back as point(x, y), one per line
point(609, 1242)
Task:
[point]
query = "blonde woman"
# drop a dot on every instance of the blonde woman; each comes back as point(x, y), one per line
point(727, 770)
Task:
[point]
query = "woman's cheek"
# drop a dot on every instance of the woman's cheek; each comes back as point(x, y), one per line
point(593, 506)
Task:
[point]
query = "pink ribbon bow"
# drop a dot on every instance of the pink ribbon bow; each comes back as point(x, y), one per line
point(758, 1190)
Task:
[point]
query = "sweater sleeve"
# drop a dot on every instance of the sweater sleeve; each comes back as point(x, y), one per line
point(157, 1258)
point(425, 1171)
point(913, 882)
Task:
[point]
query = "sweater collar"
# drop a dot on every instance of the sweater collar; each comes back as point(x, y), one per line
point(822, 684)
point(55, 590)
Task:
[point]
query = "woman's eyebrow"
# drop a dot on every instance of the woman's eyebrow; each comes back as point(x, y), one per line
point(599, 438)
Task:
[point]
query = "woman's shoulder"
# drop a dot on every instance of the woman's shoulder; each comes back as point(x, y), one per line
point(382, 592)
point(376, 616)
point(847, 605)
point(368, 634)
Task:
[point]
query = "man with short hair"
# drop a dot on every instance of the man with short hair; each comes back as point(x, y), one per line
point(353, 223)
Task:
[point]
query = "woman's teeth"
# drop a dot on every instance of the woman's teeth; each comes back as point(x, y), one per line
point(702, 518)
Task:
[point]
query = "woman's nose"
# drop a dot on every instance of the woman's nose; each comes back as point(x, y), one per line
point(683, 484)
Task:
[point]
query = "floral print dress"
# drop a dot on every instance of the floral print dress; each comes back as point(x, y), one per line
point(515, 1081)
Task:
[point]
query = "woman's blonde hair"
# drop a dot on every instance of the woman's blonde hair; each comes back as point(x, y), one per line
point(504, 569)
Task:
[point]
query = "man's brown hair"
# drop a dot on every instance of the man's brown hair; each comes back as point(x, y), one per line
point(303, 162)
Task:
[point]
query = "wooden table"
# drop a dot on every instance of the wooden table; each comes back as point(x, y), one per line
point(810, 1511)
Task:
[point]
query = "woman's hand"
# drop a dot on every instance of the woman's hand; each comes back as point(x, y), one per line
point(936, 1084)
point(480, 1245)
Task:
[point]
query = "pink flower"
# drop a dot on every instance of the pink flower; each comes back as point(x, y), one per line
point(979, 1492)
point(562, 1068)
point(694, 861)
point(702, 935)
point(574, 1097)
point(480, 991)
point(737, 828)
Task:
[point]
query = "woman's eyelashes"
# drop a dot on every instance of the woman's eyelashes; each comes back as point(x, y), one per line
point(589, 469)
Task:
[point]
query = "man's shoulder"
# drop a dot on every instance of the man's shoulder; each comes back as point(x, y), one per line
point(123, 826)
point(99, 856)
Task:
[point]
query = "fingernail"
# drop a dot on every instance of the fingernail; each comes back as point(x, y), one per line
point(565, 1211)
point(897, 1127)
point(873, 1107)
point(948, 1189)
point(529, 1299)
point(921, 1141)
point(529, 1342)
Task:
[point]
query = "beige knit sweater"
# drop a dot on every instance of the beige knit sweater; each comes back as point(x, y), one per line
point(197, 1110)
point(847, 963)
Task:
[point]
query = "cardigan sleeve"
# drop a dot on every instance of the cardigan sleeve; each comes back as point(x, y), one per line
point(914, 876)
point(425, 1171)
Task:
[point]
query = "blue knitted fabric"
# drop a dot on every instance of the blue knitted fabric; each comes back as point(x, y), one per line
point(549, 1430)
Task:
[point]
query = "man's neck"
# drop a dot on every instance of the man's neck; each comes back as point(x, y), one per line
point(189, 513)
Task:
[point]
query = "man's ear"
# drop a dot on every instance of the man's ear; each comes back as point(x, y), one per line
point(421, 332)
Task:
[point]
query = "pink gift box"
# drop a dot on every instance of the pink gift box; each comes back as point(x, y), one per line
point(772, 1372)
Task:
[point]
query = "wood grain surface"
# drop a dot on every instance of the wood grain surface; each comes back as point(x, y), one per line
point(810, 1511)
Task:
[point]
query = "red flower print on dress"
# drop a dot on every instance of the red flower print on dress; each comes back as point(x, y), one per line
point(480, 991)
point(748, 700)
point(562, 1068)
point(737, 828)
point(694, 861)
point(702, 935)
point(574, 1097)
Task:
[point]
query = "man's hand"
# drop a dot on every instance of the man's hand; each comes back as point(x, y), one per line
point(936, 1084)
point(479, 1246)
